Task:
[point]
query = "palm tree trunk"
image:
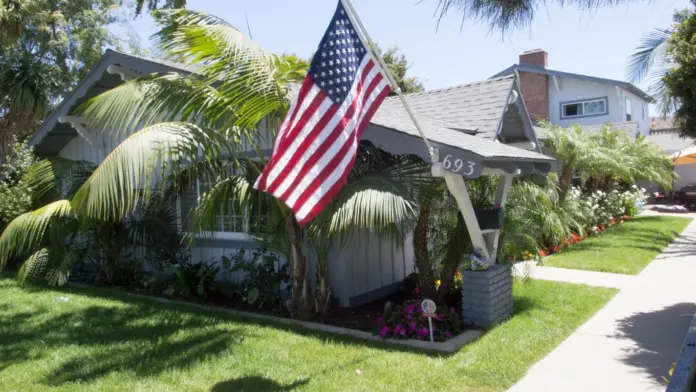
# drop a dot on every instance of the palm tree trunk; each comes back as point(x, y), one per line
point(420, 249)
point(322, 295)
point(301, 290)
point(565, 181)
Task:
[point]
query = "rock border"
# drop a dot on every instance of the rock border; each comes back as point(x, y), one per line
point(449, 346)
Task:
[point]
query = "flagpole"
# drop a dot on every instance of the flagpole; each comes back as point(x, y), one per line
point(353, 16)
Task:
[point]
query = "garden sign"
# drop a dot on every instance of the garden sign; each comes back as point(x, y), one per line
point(428, 307)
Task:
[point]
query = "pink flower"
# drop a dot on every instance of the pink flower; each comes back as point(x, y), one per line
point(412, 325)
point(448, 335)
point(453, 311)
point(402, 332)
point(379, 322)
point(440, 317)
point(408, 316)
point(410, 308)
point(383, 332)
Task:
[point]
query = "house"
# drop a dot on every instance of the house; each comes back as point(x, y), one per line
point(480, 123)
point(566, 99)
point(665, 135)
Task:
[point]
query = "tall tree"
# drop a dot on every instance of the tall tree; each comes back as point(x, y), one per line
point(47, 46)
point(398, 65)
point(681, 80)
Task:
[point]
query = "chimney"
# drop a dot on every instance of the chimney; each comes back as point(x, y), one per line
point(535, 86)
point(538, 57)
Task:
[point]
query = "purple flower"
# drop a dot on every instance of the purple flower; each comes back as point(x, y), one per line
point(453, 311)
point(425, 331)
point(421, 333)
point(398, 328)
point(379, 322)
point(448, 335)
point(440, 317)
point(412, 325)
point(383, 332)
point(410, 308)
point(402, 332)
point(408, 316)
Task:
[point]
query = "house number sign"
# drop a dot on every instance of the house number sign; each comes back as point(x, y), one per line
point(462, 166)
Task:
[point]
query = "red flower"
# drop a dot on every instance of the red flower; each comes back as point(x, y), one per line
point(542, 253)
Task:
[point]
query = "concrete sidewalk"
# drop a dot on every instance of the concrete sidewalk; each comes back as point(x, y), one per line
point(632, 342)
point(591, 278)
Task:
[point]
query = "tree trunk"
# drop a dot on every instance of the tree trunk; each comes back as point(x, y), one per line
point(301, 291)
point(420, 249)
point(565, 181)
point(457, 244)
point(322, 295)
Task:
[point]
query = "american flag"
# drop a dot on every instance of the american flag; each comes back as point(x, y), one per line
point(317, 142)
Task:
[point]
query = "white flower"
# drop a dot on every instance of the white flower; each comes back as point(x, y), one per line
point(634, 186)
point(642, 190)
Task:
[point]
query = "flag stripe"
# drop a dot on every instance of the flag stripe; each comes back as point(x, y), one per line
point(305, 104)
point(314, 200)
point(292, 112)
point(310, 138)
point(312, 167)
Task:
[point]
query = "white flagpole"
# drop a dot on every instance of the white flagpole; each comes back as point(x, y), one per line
point(353, 16)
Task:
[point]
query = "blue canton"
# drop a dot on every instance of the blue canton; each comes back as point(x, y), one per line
point(335, 65)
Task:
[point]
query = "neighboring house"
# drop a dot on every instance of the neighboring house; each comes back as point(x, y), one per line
point(566, 99)
point(474, 122)
point(665, 135)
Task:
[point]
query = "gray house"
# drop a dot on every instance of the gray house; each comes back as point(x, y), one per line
point(484, 123)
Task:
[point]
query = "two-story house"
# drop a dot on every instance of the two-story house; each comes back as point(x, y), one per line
point(565, 98)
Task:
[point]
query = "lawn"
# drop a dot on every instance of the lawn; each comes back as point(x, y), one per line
point(92, 339)
point(625, 248)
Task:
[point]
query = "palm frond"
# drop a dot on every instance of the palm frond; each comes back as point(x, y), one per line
point(650, 53)
point(130, 172)
point(26, 232)
point(228, 194)
point(58, 178)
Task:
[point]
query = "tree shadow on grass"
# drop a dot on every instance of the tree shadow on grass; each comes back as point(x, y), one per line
point(658, 338)
point(255, 384)
point(134, 338)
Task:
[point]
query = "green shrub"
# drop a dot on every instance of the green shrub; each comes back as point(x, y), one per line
point(15, 191)
point(263, 275)
point(192, 279)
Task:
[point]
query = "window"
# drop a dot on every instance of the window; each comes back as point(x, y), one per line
point(644, 113)
point(590, 107)
point(628, 109)
point(231, 218)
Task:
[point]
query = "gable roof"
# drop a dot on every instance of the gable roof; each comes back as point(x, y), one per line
point(474, 108)
point(541, 70)
point(467, 117)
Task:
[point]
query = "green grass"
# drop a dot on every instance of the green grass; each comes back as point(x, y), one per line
point(104, 341)
point(626, 248)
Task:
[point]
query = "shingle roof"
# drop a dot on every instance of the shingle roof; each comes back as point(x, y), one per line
point(476, 107)
point(396, 118)
point(661, 123)
point(541, 70)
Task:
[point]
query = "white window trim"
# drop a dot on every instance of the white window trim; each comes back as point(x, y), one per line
point(582, 102)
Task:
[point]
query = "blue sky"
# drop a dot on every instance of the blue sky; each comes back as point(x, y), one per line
point(594, 43)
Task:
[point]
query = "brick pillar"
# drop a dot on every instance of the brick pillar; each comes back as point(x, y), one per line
point(487, 295)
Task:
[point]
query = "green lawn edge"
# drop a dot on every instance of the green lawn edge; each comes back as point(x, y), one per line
point(96, 340)
point(626, 248)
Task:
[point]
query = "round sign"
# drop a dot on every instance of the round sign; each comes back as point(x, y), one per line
point(428, 306)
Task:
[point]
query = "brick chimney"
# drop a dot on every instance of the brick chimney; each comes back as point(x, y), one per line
point(535, 86)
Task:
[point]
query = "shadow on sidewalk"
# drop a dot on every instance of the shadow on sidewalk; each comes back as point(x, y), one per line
point(658, 336)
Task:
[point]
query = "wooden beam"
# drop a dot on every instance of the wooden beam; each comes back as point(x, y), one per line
point(80, 125)
point(457, 188)
point(504, 185)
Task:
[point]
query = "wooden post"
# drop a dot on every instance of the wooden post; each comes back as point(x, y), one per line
point(457, 188)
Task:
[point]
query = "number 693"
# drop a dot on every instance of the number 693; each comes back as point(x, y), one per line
point(456, 165)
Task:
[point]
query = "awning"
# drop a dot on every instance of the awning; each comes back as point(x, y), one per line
point(686, 156)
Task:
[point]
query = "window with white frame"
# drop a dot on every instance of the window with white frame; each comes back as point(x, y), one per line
point(231, 218)
point(589, 107)
point(628, 109)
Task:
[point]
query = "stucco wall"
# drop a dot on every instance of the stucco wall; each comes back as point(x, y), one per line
point(571, 89)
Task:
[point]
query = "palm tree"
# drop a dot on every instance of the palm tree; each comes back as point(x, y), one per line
point(651, 62)
point(505, 15)
point(202, 127)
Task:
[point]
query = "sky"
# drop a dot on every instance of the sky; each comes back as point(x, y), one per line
point(596, 43)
